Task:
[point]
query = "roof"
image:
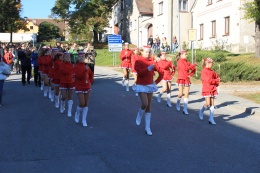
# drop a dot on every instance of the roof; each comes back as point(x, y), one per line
point(144, 6)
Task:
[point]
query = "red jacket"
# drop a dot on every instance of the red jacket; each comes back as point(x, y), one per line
point(125, 55)
point(67, 73)
point(144, 76)
point(185, 69)
point(134, 58)
point(168, 69)
point(210, 80)
point(8, 56)
point(40, 63)
point(84, 78)
point(47, 63)
point(57, 66)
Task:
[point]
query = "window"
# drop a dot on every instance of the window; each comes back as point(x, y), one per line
point(183, 5)
point(160, 8)
point(227, 25)
point(201, 31)
point(209, 2)
point(31, 27)
point(213, 30)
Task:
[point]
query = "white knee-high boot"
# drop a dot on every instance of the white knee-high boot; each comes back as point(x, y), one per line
point(178, 106)
point(52, 95)
point(139, 116)
point(123, 81)
point(49, 92)
point(127, 85)
point(42, 85)
point(169, 104)
point(84, 116)
point(159, 97)
point(201, 112)
point(211, 116)
point(45, 91)
point(77, 113)
point(185, 107)
point(70, 103)
point(147, 123)
point(62, 106)
point(57, 101)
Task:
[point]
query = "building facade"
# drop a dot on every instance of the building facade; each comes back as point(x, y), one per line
point(219, 24)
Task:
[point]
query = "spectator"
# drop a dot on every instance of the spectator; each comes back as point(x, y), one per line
point(175, 44)
point(73, 53)
point(24, 56)
point(4, 72)
point(150, 41)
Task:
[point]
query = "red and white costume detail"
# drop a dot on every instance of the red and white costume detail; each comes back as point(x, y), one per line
point(47, 64)
point(210, 82)
point(144, 82)
point(185, 71)
point(168, 69)
point(67, 78)
point(125, 56)
point(57, 72)
point(84, 78)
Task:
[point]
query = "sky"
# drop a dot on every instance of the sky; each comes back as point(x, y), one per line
point(37, 8)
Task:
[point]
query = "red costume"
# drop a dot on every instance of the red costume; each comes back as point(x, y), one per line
point(210, 81)
point(84, 78)
point(168, 69)
point(67, 78)
point(47, 63)
point(57, 73)
point(40, 64)
point(145, 77)
point(125, 56)
point(134, 58)
point(185, 71)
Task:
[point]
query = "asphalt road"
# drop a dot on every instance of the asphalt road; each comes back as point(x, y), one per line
point(36, 137)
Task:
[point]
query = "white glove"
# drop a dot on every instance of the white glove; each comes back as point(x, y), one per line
point(150, 67)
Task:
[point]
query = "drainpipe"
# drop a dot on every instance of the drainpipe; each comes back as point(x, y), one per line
point(138, 30)
point(179, 24)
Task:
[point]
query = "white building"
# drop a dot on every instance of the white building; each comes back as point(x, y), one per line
point(217, 23)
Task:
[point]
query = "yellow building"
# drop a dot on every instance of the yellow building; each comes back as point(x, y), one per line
point(33, 28)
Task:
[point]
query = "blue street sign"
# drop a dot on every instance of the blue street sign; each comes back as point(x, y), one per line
point(114, 39)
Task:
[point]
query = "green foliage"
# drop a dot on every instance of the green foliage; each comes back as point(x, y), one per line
point(252, 10)
point(10, 16)
point(185, 45)
point(48, 31)
point(239, 72)
point(87, 16)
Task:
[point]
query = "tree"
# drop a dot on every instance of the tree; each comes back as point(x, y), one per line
point(48, 31)
point(252, 9)
point(86, 14)
point(10, 19)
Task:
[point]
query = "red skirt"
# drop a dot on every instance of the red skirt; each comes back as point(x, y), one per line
point(183, 82)
point(125, 64)
point(210, 94)
point(67, 86)
point(56, 81)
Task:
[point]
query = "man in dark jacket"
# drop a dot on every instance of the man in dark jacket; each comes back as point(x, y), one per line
point(24, 56)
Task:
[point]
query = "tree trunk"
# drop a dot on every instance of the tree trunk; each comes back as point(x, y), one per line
point(257, 40)
point(95, 36)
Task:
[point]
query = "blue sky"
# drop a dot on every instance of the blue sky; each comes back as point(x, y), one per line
point(37, 8)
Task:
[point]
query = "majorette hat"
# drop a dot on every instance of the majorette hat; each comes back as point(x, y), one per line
point(208, 60)
point(126, 43)
point(55, 49)
point(147, 48)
